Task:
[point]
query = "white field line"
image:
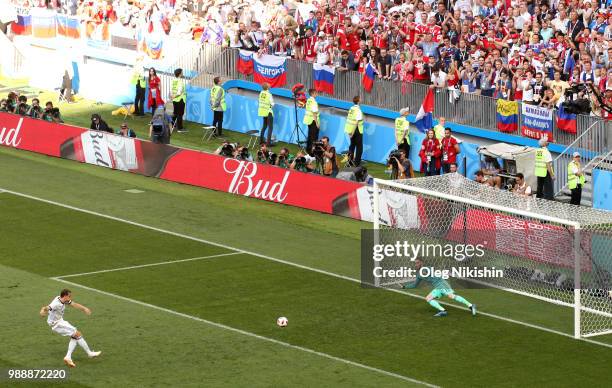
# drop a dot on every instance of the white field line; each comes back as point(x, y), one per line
point(249, 334)
point(147, 265)
point(501, 318)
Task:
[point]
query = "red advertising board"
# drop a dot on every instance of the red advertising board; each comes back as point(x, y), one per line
point(270, 183)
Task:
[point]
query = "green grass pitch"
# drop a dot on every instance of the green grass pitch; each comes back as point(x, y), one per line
point(205, 315)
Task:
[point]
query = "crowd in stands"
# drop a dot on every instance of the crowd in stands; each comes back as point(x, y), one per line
point(525, 50)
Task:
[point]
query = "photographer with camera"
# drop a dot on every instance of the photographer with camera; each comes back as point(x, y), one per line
point(311, 118)
point(226, 149)
point(325, 157)
point(160, 128)
point(264, 154)
point(284, 159)
point(22, 106)
point(302, 162)
point(401, 167)
point(242, 153)
point(402, 131)
point(97, 124)
point(35, 111)
point(52, 114)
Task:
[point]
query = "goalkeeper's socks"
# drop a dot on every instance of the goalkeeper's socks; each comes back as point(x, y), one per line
point(434, 303)
point(461, 299)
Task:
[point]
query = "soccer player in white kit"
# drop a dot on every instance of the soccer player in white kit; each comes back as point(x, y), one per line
point(55, 320)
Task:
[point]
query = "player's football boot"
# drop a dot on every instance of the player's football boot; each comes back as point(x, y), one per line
point(473, 309)
point(94, 354)
point(69, 362)
point(441, 314)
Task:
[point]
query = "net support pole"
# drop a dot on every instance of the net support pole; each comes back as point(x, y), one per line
point(376, 220)
point(577, 282)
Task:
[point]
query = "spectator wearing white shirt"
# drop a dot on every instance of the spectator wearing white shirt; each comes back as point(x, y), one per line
point(521, 187)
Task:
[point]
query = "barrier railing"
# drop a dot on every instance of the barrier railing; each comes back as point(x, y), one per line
point(471, 109)
point(12, 61)
point(592, 143)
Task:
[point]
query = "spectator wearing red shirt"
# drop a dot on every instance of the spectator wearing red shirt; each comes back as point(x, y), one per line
point(430, 154)
point(450, 149)
point(154, 99)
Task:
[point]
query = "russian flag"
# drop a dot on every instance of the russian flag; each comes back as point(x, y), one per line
point(270, 69)
point(369, 75)
point(323, 78)
point(68, 27)
point(23, 25)
point(245, 62)
point(424, 118)
point(566, 121)
point(43, 23)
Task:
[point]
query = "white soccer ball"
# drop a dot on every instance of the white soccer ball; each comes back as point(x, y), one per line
point(282, 321)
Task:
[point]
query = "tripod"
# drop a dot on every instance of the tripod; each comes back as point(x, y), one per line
point(297, 130)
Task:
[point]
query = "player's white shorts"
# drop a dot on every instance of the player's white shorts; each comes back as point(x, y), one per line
point(64, 328)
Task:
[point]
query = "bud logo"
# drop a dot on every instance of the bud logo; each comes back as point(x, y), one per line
point(244, 183)
point(10, 136)
point(109, 151)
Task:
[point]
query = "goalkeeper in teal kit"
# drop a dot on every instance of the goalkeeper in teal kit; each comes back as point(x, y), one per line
point(440, 288)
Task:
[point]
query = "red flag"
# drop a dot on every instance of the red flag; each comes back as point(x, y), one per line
point(245, 62)
point(369, 75)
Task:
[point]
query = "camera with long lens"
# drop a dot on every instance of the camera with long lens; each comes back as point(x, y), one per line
point(227, 150)
point(573, 103)
point(300, 163)
point(244, 154)
point(272, 158)
point(393, 159)
point(262, 156)
point(318, 149)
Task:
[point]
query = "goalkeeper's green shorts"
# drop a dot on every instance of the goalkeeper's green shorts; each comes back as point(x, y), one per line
point(439, 292)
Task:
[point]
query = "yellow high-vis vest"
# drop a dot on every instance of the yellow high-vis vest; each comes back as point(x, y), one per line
point(265, 104)
point(351, 121)
point(402, 125)
point(139, 79)
point(540, 163)
point(311, 115)
point(572, 179)
point(214, 95)
point(175, 88)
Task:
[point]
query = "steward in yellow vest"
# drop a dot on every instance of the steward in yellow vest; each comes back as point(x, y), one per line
point(402, 132)
point(217, 104)
point(179, 97)
point(311, 118)
point(266, 104)
point(354, 129)
point(138, 80)
point(543, 170)
point(575, 179)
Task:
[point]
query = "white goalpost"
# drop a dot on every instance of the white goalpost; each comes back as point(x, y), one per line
point(551, 251)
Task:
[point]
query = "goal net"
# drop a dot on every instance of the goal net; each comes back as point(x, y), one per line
point(491, 238)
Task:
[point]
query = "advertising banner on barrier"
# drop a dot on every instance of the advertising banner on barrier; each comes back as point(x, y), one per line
point(270, 183)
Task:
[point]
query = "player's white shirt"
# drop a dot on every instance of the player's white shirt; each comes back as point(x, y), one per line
point(56, 311)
